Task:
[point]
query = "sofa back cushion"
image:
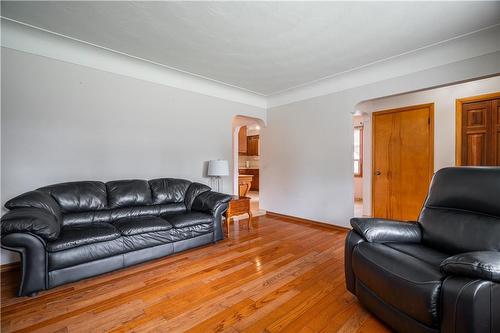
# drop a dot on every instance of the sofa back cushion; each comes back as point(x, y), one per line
point(168, 190)
point(92, 201)
point(462, 211)
point(78, 196)
point(36, 199)
point(111, 215)
point(194, 190)
point(128, 193)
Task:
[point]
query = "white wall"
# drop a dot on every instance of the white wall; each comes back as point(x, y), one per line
point(66, 122)
point(444, 119)
point(306, 163)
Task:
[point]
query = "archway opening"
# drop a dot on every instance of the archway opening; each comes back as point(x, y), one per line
point(247, 148)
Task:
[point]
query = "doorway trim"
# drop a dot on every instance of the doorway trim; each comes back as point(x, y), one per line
point(431, 140)
point(458, 120)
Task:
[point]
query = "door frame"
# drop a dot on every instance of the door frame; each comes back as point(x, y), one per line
point(458, 120)
point(431, 140)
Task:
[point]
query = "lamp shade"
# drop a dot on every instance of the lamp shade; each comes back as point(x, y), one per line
point(218, 168)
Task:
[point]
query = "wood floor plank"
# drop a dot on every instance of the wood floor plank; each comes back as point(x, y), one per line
point(279, 276)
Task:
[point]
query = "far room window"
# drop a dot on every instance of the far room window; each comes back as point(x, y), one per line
point(358, 151)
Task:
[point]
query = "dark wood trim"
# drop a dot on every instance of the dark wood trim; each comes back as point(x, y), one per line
point(307, 221)
point(13, 266)
point(458, 120)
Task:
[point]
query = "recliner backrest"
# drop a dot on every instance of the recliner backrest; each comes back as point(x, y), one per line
point(462, 210)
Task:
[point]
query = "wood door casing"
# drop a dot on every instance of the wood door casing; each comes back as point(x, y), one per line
point(478, 130)
point(403, 160)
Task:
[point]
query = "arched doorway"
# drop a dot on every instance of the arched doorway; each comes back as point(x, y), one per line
point(247, 144)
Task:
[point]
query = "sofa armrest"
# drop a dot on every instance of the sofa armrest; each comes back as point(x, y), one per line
point(31, 220)
point(215, 204)
point(381, 230)
point(209, 201)
point(32, 249)
point(481, 264)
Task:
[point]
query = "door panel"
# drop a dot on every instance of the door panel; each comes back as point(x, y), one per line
point(476, 149)
point(403, 161)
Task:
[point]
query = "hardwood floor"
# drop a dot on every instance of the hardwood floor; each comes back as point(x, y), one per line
point(281, 276)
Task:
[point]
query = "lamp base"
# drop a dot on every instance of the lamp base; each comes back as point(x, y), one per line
point(219, 184)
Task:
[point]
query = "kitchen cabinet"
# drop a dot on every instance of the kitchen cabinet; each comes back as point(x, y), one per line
point(242, 141)
point(253, 145)
point(255, 180)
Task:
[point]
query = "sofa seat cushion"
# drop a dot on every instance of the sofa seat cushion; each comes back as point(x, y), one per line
point(179, 234)
point(85, 253)
point(400, 279)
point(82, 234)
point(150, 239)
point(140, 225)
point(189, 219)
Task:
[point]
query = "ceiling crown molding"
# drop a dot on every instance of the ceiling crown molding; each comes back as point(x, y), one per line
point(475, 44)
point(26, 38)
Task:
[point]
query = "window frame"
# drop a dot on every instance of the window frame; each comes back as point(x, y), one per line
point(360, 160)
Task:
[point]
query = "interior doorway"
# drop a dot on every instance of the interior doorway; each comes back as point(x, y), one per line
point(247, 141)
point(359, 120)
point(403, 160)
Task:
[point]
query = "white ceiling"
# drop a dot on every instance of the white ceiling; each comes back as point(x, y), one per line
point(263, 47)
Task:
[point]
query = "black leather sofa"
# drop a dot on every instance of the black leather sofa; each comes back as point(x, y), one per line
point(441, 274)
point(71, 231)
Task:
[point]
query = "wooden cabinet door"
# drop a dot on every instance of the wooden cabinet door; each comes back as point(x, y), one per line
point(253, 145)
point(481, 133)
point(402, 161)
point(242, 140)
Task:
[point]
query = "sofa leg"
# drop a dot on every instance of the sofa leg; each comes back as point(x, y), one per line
point(33, 294)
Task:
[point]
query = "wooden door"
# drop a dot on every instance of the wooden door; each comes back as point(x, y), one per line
point(480, 133)
point(496, 129)
point(403, 154)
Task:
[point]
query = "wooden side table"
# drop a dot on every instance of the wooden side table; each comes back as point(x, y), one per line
point(237, 206)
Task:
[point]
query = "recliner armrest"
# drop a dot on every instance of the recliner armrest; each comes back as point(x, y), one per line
point(31, 220)
point(209, 201)
point(381, 230)
point(481, 264)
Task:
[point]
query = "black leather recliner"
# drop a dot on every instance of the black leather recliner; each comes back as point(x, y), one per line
point(441, 274)
point(71, 231)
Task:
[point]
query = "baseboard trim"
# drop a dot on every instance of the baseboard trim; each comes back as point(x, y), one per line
point(13, 266)
point(307, 221)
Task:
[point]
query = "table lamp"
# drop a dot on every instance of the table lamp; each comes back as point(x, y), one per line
point(218, 169)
